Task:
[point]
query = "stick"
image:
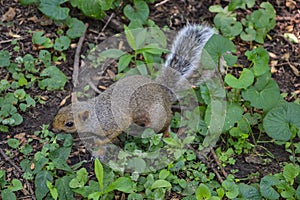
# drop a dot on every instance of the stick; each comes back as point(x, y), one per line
point(218, 162)
point(76, 59)
point(161, 3)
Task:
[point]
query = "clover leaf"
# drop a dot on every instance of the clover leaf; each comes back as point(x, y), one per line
point(246, 79)
point(139, 12)
point(265, 94)
point(229, 26)
point(62, 43)
point(53, 10)
point(54, 79)
point(260, 59)
point(266, 188)
point(282, 122)
point(219, 46)
point(76, 28)
point(4, 58)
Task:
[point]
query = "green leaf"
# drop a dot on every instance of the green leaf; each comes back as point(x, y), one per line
point(110, 53)
point(203, 192)
point(137, 164)
point(93, 8)
point(99, 173)
point(18, 119)
point(217, 46)
point(122, 184)
point(246, 79)
point(248, 35)
point(163, 174)
point(53, 190)
point(4, 58)
point(135, 196)
point(266, 188)
point(45, 57)
point(52, 9)
point(130, 38)
point(124, 62)
point(161, 184)
point(64, 192)
point(38, 39)
point(80, 180)
point(55, 79)
point(28, 2)
point(140, 11)
point(62, 43)
point(216, 9)
point(260, 58)
point(16, 185)
point(291, 37)
point(20, 94)
point(13, 143)
point(290, 172)
point(298, 192)
point(26, 149)
point(172, 142)
point(76, 28)
point(249, 192)
point(41, 189)
point(234, 113)
point(7, 194)
point(142, 68)
point(232, 190)
point(279, 121)
point(3, 128)
point(261, 93)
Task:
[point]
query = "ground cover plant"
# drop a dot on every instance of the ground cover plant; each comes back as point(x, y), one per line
point(256, 155)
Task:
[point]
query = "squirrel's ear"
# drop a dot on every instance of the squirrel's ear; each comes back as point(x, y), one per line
point(84, 116)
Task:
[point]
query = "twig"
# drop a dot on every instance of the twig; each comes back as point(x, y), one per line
point(92, 85)
point(202, 156)
point(218, 162)
point(107, 22)
point(9, 40)
point(105, 25)
point(6, 158)
point(161, 3)
point(76, 59)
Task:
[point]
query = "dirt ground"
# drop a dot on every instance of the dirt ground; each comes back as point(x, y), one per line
point(284, 60)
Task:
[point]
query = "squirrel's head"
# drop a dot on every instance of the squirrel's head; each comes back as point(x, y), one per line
point(64, 120)
point(68, 116)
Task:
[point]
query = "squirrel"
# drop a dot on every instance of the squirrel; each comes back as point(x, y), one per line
point(138, 99)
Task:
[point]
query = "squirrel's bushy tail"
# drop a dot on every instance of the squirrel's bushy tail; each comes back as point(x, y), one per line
point(184, 58)
point(187, 48)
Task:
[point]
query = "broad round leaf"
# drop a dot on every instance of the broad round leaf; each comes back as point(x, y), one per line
point(279, 121)
point(246, 79)
point(263, 97)
point(53, 10)
point(140, 11)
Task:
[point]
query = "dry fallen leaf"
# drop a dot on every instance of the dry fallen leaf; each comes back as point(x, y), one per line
point(289, 28)
point(111, 74)
point(9, 15)
point(285, 56)
point(290, 4)
point(102, 87)
point(63, 102)
point(34, 19)
point(272, 55)
point(295, 70)
point(20, 136)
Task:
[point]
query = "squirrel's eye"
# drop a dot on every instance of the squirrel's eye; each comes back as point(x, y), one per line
point(69, 124)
